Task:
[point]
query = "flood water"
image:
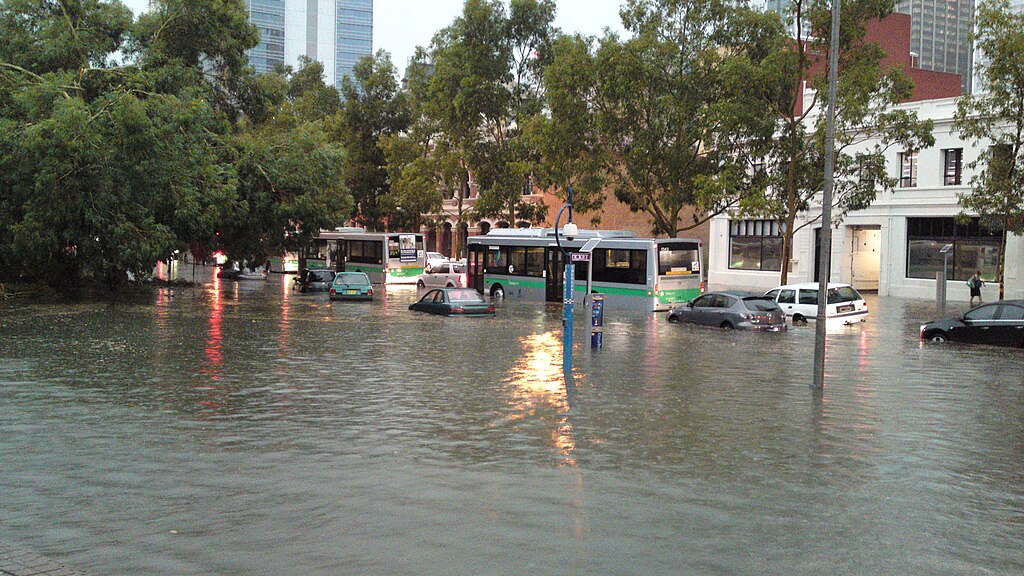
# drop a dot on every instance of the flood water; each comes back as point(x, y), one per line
point(242, 428)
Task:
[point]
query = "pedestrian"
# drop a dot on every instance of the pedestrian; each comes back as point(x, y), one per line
point(975, 283)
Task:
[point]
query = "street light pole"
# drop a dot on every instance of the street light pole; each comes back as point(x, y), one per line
point(567, 304)
point(825, 251)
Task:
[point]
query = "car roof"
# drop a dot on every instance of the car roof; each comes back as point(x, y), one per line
point(804, 285)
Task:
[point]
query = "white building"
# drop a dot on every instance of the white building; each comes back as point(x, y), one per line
point(893, 245)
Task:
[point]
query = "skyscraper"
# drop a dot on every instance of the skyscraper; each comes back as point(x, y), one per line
point(940, 35)
point(334, 32)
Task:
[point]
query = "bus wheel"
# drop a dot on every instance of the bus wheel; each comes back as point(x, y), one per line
point(420, 284)
point(497, 292)
point(799, 320)
point(450, 285)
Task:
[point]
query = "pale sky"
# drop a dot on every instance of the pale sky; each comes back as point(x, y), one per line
point(401, 25)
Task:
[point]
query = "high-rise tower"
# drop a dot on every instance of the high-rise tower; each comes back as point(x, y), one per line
point(334, 32)
point(940, 35)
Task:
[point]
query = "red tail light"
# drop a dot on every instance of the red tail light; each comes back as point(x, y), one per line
point(332, 291)
point(458, 310)
point(369, 292)
point(462, 279)
point(490, 308)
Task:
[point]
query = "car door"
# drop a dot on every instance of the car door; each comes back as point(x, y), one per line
point(807, 303)
point(720, 310)
point(787, 301)
point(1009, 328)
point(699, 312)
point(979, 326)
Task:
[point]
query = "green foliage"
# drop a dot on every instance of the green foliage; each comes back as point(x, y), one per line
point(867, 125)
point(668, 117)
point(993, 118)
point(107, 168)
point(373, 108)
point(485, 89)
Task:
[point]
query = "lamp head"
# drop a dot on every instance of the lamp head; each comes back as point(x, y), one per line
point(570, 231)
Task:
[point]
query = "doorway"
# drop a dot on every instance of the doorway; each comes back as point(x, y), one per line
point(866, 258)
point(554, 285)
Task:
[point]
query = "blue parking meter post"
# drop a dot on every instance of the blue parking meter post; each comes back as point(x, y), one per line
point(597, 321)
point(567, 317)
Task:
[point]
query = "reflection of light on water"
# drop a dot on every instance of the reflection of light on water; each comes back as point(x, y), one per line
point(284, 324)
point(539, 381)
point(213, 350)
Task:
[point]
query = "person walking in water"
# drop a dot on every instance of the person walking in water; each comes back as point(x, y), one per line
point(975, 283)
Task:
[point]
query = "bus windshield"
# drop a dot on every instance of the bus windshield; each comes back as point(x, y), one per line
point(678, 258)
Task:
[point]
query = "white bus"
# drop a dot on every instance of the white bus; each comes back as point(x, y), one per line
point(386, 257)
point(633, 273)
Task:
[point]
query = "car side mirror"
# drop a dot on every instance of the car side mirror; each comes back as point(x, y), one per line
point(689, 304)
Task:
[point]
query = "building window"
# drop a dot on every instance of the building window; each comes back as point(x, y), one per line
point(953, 161)
point(908, 169)
point(528, 186)
point(755, 245)
point(974, 248)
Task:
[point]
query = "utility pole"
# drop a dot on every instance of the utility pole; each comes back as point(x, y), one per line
point(825, 251)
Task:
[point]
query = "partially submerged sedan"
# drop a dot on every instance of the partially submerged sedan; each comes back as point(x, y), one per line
point(454, 302)
point(351, 286)
point(732, 310)
point(999, 323)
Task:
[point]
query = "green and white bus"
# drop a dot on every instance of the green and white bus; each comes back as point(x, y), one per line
point(386, 257)
point(632, 273)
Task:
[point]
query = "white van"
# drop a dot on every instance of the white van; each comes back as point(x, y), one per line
point(800, 302)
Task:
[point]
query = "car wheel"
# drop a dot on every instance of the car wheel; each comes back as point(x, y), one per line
point(420, 284)
point(673, 319)
point(799, 320)
point(726, 326)
point(497, 292)
point(938, 337)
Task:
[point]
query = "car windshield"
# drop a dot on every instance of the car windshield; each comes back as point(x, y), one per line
point(320, 276)
point(842, 294)
point(458, 268)
point(464, 295)
point(352, 279)
point(760, 304)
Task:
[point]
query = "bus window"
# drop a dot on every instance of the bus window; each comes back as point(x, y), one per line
point(678, 258)
point(497, 260)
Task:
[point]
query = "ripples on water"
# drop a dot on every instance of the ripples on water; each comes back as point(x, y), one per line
point(247, 429)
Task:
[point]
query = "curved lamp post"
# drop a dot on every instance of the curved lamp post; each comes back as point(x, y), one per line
point(570, 231)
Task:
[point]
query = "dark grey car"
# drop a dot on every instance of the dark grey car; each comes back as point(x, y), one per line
point(731, 310)
point(318, 280)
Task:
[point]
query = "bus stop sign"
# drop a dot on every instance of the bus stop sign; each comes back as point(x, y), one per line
point(579, 256)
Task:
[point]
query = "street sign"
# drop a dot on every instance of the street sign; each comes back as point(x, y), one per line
point(589, 246)
point(945, 248)
point(579, 256)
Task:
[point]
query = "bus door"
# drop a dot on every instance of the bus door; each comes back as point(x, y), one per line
point(554, 270)
point(475, 265)
point(341, 255)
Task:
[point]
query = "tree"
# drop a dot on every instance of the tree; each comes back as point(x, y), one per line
point(373, 107)
point(485, 88)
point(290, 183)
point(672, 113)
point(995, 115)
point(867, 125)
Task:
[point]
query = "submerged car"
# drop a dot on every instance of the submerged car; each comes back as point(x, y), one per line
point(454, 302)
point(800, 302)
point(731, 310)
point(999, 323)
point(351, 286)
point(445, 274)
point(316, 280)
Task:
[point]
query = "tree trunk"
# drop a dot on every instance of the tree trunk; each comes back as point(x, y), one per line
point(1002, 264)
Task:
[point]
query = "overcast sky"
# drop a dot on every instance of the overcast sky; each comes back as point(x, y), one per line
point(401, 25)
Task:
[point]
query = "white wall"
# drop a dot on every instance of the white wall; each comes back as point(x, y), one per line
point(931, 198)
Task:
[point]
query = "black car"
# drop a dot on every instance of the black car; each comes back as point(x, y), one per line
point(454, 302)
point(999, 323)
point(732, 310)
point(316, 280)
